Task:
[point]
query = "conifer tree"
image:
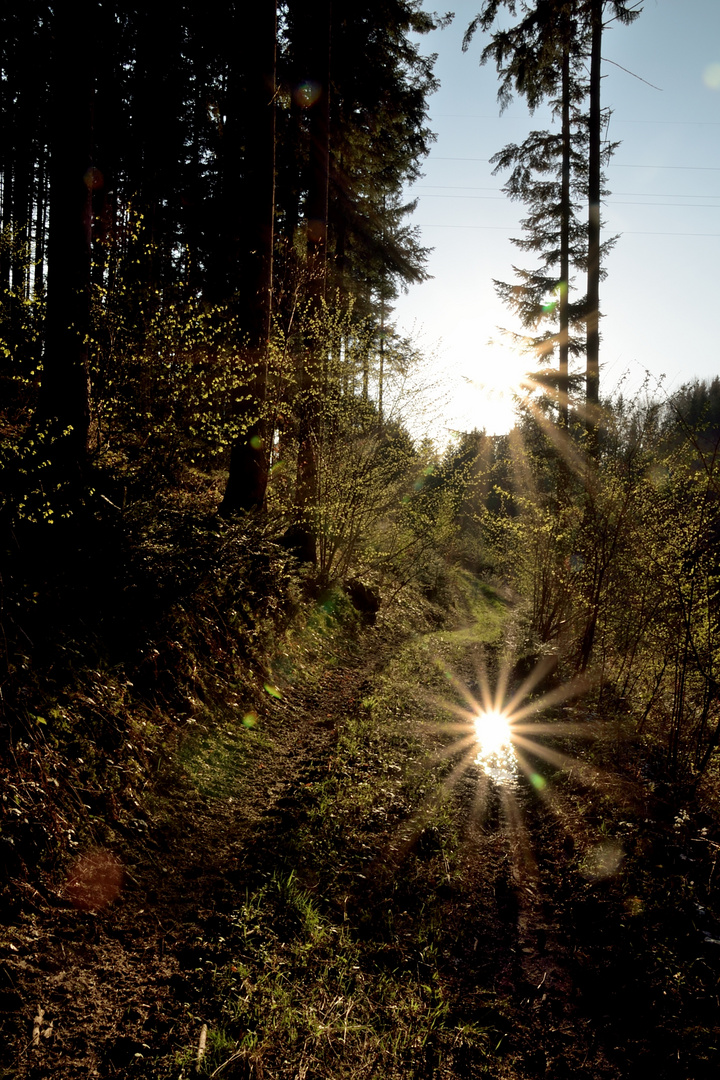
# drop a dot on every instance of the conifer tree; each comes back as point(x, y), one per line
point(64, 392)
point(250, 207)
point(182, 203)
point(594, 13)
point(535, 59)
point(543, 58)
point(358, 90)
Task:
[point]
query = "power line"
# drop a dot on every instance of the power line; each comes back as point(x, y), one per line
point(611, 165)
point(496, 228)
point(458, 187)
point(615, 119)
point(687, 168)
point(491, 198)
point(683, 206)
point(629, 194)
point(501, 198)
point(510, 228)
point(637, 232)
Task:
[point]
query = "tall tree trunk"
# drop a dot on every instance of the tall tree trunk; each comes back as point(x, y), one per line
point(317, 39)
point(564, 345)
point(40, 218)
point(381, 369)
point(594, 186)
point(22, 210)
point(319, 173)
point(254, 214)
point(64, 395)
point(7, 202)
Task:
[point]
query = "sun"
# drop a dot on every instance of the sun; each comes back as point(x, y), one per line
point(489, 397)
point(494, 751)
point(500, 743)
point(498, 731)
point(493, 732)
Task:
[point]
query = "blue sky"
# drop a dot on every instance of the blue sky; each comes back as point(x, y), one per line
point(661, 299)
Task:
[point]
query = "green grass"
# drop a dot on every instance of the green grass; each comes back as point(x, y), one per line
point(338, 959)
point(308, 996)
point(214, 758)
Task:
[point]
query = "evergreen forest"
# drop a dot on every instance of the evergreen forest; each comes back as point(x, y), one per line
point(329, 751)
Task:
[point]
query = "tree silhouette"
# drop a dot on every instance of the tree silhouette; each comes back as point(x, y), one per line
point(543, 57)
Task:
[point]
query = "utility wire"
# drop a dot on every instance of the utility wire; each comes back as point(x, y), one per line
point(611, 165)
point(616, 120)
point(512, 228)
point(615, 202)
point(637, 232)
point(628, 194)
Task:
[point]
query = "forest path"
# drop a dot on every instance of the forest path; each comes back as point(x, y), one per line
point(339, 892)
point(111, 980)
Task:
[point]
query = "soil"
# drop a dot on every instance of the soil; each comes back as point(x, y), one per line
point(108, 960)
point(107, 974)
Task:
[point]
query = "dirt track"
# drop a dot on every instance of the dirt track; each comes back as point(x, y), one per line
point(111, 982)
point(568, 974)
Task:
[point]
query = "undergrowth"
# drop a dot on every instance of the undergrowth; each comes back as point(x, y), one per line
point(375, 923)
point(333, 965)
point(129, 642)
point(389, 935)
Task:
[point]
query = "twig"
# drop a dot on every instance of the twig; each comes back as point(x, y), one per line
point(628, 72)
point(111, 503)
point(233, 1057)
point(201, 1047)
point(37, 1024)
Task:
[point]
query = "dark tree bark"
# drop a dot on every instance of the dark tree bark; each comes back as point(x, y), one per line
point(7, 201)
point(64, 395)
point(250, 201)
point(39, 231)
point(313, 93)
point(565, 213)
point(594, 190)
point(318, 77)
point(22, 210)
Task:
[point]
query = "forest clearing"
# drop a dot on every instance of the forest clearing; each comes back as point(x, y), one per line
point(331, 749)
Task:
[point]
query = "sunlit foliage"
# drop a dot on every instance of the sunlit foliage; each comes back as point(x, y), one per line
point(618, 562)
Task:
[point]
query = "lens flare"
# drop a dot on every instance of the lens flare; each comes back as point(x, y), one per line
point(492, 731)
point(95, 880)
point(495, 753)
point(307, 93)
point(711, 76)
point(498, 757)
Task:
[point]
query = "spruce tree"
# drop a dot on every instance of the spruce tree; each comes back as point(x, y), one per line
point(538, 58)
point(594, 13)
point(181, 202)
point(249, 182)
point(543, 57)
point(64, 406)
